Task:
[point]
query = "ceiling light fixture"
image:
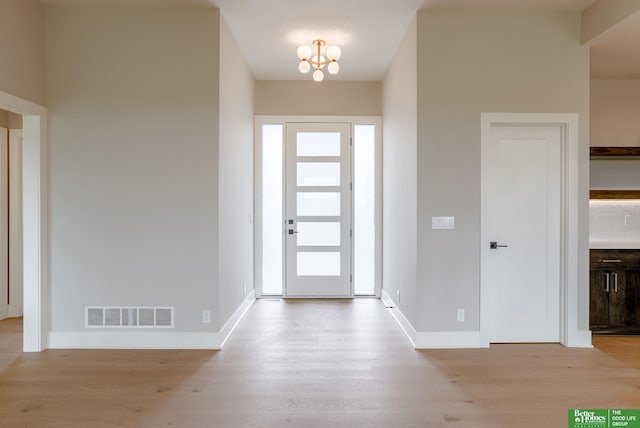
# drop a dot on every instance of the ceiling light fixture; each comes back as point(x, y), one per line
point(318, 60)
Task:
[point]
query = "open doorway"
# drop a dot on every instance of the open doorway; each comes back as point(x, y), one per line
point(11, 304)
point(318, 206)
point(33, 218)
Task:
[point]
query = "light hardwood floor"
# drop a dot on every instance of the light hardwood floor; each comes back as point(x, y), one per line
point(314, 364)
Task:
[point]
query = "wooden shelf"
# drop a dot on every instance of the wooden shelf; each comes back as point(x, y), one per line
point(614, 194)
point(615, 152)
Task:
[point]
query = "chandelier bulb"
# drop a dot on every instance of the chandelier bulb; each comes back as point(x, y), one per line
point(334, 53)
point(318, 62)
point(333, 67)
point(318, 76)
point(304, 66)
point(304, 52)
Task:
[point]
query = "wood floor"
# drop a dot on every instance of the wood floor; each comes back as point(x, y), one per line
point(314, 364)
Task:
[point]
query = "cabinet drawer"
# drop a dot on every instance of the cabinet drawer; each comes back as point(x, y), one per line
point(614, 259)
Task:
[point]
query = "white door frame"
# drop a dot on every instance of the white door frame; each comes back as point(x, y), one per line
point(261, 120)
point(570, 335)
point(34, 220)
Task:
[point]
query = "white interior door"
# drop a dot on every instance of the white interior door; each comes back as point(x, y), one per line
point(4, 223)
point(318, 210)
point(15, 223)
point(521, 209)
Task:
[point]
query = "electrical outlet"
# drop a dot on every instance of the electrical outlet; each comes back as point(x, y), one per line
point(398, 296)
point(460, 315)
point(206, 317)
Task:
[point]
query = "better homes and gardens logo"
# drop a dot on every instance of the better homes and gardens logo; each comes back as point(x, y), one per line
point(604, 418)
point(588, 418)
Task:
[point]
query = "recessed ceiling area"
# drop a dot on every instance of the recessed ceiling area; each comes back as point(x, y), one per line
point(369, 31)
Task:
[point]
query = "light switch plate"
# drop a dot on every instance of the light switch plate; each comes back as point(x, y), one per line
point(442, 223)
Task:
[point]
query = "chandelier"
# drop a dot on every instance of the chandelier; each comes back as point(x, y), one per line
point(318, 60)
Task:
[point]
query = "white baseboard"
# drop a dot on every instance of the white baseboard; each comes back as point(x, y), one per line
point(127, 339)
point(580, 339)
point(239, 313)
point(402, 321)
point(435, 339)
point(133, 340)
point(449, 340)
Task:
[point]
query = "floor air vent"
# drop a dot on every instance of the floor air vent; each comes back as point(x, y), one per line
point(128, 317)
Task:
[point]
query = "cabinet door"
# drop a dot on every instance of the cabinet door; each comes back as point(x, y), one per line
point(621, 300)
point(632, 299)
point(599, 300)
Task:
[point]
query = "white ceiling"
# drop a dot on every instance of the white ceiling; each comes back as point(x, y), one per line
point(368, 31)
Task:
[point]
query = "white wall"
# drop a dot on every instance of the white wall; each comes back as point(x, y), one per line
point(330, 98)
point(619, 174)
point(399, 177)
point(133, 98)
point(235, 176)
point(615, 109)
point(22, 47)
point(469, 63)
point(614, 223)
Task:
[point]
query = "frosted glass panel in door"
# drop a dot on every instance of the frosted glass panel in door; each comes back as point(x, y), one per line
point(318, 144)
point(318, 264)
point(318, 204)
point(318, 174)
point(364, 194)
point(272, 214)
point(319, 234)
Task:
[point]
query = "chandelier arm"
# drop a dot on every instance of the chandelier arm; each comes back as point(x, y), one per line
point(319, 46)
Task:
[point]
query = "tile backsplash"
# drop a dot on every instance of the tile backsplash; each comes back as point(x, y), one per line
point(613, 220)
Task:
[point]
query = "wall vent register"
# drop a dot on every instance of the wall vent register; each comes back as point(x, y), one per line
point(128, 317)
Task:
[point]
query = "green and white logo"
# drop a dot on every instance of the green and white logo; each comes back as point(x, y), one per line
point(604, 418)
point(588, 418)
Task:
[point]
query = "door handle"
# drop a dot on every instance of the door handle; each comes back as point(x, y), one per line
point(615, 282)
point(291, 231)
point(607, 280)
point(494, 245)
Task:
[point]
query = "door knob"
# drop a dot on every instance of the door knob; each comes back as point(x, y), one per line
point(494, 245)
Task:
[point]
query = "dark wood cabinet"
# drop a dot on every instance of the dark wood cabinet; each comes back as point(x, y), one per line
point(614, 285)
point(627, 303)
point(598, 301)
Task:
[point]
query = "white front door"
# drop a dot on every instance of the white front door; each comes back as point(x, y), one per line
point(521, 212)
point(318, 210)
